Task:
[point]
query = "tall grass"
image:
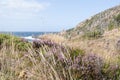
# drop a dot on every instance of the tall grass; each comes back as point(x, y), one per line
point(46, 60)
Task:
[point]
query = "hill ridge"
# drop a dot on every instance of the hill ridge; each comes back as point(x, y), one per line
point(102, 21)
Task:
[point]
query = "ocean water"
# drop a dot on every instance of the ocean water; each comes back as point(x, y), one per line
point(25, 34)
point(28, 35)
point(33, 34)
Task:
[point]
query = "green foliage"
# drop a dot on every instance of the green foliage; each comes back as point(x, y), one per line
point(18, 43)
point(110, 71)
point(76, 52)
point(22, 46)
point(70, 30)
point(92, 34)
point(117, 18)
point(3, 38)
point(111, 26)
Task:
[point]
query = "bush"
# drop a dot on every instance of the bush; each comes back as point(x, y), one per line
point(92, 34)
point(111, 26)
point(117, 18)
point(4, 37)
point(19, 44)
point(92, 67)
point(76, 52)
point(111, 71)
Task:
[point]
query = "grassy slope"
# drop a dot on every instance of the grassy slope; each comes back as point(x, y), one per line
point(94, 59)
point(104, 46)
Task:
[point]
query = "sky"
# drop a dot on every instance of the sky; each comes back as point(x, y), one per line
point(48, 15)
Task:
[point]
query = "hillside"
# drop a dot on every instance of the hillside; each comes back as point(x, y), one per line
point(106, 46)
point(104, 21)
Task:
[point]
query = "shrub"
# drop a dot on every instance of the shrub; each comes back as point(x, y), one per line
point(76, 52)
point(4, 37)
point(117, 18)
point(92, 67)
point(111, 26)
point(92, 34)
point(19, 44)
point(111, 71)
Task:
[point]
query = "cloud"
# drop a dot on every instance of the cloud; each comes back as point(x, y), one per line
point(19, 7)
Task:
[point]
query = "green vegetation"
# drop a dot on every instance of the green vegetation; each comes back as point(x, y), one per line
point(20, 44)
point(111, 26)
point(70, 30)
point(76, 52)
point(117, 18)
point(92, 34)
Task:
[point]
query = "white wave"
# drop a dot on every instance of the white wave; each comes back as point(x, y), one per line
point(30, 38)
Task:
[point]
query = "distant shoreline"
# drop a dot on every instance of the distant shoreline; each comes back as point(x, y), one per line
point(26, 34)
point(29, 36)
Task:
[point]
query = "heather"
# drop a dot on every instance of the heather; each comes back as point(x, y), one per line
point(48, 60)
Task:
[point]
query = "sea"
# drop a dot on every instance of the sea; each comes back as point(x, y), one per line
point(30, 36)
